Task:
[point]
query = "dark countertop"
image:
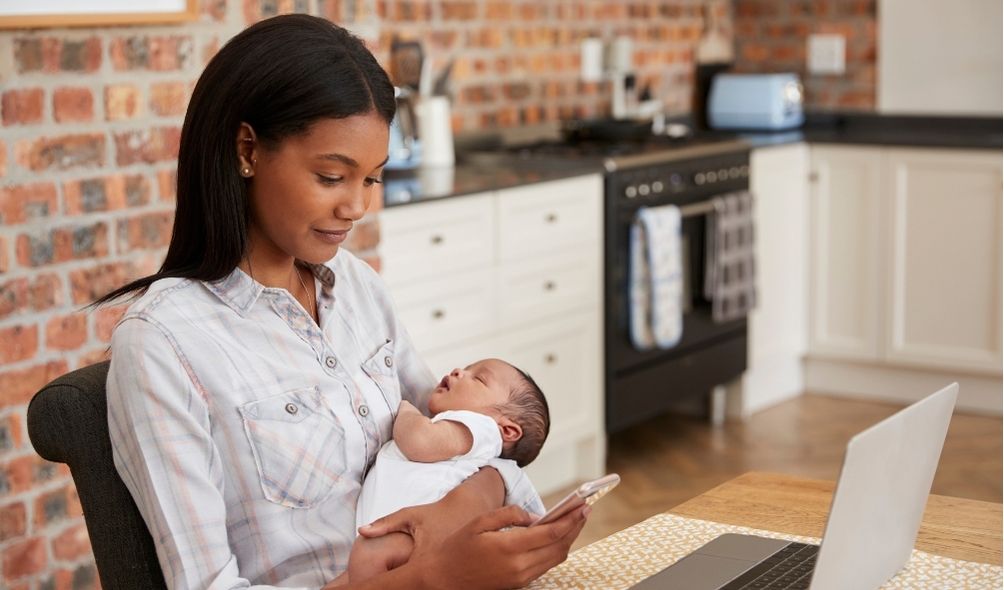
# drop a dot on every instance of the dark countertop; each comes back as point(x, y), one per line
point(889, 130)
point(482, 171)
point(477, 173)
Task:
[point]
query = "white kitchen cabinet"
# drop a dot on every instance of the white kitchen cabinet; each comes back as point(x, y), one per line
point(515, 274)
point(845, 245)
point(943, 256)
point(906, 273)
point(777, 325)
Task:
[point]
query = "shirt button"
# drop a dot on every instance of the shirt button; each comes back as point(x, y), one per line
point(364, 411)
point(292, 409)
point(331, 362)
point(388, 361)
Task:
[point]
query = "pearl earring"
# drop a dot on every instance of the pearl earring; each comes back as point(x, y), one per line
point(246, 172)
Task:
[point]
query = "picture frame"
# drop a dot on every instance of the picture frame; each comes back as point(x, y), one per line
point(22, 14)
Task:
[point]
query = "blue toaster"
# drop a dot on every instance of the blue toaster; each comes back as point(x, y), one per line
point(755, 101)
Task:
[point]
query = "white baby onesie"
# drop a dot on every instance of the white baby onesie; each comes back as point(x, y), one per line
point(394, 482)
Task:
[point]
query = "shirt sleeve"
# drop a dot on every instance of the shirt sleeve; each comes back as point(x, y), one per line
point(485, 431)
point(160, 430)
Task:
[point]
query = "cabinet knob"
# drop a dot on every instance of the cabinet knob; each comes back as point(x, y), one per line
point(438, 314)
point(550, 286)
point(437, 239)
point(813, 177)
point(551, 359)
point(551, 218)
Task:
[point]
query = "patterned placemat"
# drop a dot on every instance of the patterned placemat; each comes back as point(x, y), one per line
point(627, 557)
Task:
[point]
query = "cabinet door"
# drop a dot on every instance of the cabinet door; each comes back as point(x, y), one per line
point(565, 359)
point(845, 254)
point(944, 244)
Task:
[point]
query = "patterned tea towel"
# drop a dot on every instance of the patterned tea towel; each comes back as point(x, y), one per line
point(654, 278)
point(729, 276)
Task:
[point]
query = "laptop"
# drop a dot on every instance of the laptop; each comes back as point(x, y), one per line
point(873, 522)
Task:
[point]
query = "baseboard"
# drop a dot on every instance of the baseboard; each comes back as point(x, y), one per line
point(982, 395)
point(765, 386)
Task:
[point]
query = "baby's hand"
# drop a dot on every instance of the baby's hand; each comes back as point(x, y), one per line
point(405, 407)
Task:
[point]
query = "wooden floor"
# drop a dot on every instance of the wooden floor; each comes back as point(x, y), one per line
point(673, 458)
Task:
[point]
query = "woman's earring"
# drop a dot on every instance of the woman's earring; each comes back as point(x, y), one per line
point(246, 172)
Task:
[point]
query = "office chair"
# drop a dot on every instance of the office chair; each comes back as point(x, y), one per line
point(68, 423)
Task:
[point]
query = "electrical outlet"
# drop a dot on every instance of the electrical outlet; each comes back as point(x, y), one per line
point(827, 54)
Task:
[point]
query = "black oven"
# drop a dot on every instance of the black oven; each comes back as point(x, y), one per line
point(643, 384)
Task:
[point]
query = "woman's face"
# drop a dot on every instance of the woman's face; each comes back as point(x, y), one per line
point(308, 191)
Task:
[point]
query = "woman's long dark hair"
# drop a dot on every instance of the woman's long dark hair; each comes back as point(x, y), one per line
point(279, 76)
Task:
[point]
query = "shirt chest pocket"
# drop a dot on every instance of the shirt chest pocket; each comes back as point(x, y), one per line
point(381, 367)
point(298, 446)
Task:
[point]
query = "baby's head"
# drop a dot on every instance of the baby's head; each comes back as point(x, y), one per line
point(497, 389)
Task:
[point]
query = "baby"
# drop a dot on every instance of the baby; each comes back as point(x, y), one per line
point(489, 409)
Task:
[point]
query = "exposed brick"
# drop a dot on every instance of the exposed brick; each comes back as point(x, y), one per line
point(27, 202)
point(210, 49)
point(168, 98)
point(105, 320)
point(36, 293)
point(80, 56)
point(90, 283)
point(52, 246)
point(167, 183)
point(72, 544)
point(106, 194)
point(93, 356)
point(10, 436)
point(13, 521)
point(3, 159)
point(24, 558)
point(61, 153)
point(122, 101)
point(66, 332)
point(23, 106)
point(149, 231)
point(463, 10)
point(18, 343)
point(152, 145)
point(72, 104)
point(158, 53)
point(19, 385)
point(85, 577)
point(56, 506)
point(215, 9)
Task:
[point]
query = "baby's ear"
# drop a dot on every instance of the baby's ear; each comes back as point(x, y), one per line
point(510, 431)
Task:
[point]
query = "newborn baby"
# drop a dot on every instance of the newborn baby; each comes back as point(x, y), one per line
point(489, 409)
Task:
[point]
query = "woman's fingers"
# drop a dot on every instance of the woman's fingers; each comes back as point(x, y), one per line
point(565, 528)
point(402, 521)
point(507, 516)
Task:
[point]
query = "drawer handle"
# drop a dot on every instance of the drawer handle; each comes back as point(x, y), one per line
point(438, 314)
point(437, 240)
point(551, 218)
point(551, 359)
point(550, 286)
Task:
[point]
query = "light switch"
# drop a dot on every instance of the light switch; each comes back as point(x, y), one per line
point(827, 54)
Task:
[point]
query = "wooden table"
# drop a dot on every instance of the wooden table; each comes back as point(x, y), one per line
point(952, 527)
point(959, 539)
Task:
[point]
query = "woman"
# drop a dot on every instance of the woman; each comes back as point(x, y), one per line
point(256, 377)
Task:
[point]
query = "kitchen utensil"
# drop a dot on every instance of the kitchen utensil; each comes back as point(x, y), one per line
point(435, 129)
point(442, 85)
point(755, 101)
point(406, 58)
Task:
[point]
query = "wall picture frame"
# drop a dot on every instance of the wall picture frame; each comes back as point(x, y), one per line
point(31, 14)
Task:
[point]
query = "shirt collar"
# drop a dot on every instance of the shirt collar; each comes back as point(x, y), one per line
point(240, 292)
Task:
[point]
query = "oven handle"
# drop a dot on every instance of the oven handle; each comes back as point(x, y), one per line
point(699, 208)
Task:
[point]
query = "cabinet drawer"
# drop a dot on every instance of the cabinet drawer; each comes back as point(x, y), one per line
point(565, 359)
point(537, 219)
point(439, 312)
point(419, 241)
point(546, 287)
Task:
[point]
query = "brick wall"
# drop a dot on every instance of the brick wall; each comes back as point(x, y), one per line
point(772, 36)
point(89, 125)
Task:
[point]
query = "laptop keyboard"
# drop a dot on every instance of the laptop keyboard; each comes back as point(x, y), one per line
point(788, 569)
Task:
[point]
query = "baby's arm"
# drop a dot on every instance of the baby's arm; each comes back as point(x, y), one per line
point(420, 439)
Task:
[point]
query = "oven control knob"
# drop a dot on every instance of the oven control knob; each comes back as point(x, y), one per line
point(657, 187)
point(643, 189)
point(631, 192)
point(699, 178)
point(734, 172)
point(676, 180)
point(711, 176)
point(723, 174)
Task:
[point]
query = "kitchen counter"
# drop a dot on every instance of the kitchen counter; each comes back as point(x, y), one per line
point(477, 173)
point(889, 130)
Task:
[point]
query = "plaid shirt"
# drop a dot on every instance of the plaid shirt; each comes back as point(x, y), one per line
point(243, 429)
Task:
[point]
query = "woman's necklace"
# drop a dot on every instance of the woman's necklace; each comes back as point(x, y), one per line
point(310, 300)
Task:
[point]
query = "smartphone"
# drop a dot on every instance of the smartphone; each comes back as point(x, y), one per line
point(586, 494)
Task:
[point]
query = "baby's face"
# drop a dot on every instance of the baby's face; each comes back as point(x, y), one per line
point(476, 387)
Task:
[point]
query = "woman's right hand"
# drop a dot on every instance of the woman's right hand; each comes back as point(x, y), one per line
point(480, 555)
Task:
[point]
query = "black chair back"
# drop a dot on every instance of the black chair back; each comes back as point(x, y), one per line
point(68, 423)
